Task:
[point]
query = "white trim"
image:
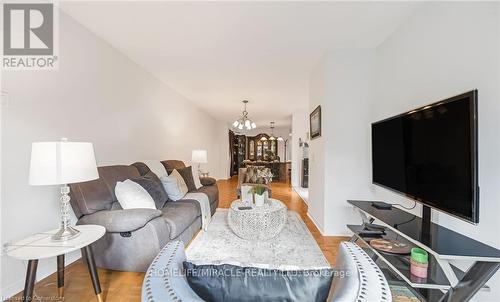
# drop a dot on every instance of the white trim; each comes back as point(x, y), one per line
point(296, 189)
point(316, 224)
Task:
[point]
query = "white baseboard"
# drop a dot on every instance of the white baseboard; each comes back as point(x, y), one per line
point(315, 223)
point(42, 272)
point(297, 189)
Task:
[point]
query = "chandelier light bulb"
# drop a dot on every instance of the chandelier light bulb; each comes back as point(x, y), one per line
point(243, 121)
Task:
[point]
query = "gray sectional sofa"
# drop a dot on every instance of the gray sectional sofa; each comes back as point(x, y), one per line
point(135, 236)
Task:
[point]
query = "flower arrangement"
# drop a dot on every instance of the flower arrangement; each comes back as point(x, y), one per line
point(265, 174)
point(269, 155)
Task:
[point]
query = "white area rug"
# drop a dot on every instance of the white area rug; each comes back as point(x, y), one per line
point(293, 248)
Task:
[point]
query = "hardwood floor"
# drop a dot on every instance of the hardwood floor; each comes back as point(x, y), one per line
point(126, 286)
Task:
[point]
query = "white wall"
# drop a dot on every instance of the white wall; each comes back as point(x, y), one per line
point(97, 95)
point(300, 129)
point(317, 97)
point(341, 155)
point(347, 140)
point(444, 50)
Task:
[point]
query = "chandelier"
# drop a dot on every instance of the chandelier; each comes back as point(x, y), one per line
point(244, 121)
point(271, 137)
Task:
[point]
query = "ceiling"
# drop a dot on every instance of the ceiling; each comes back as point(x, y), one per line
point(218, 53)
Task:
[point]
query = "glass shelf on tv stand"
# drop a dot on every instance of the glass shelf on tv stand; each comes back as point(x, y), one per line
point(396, 283)
point(442, 244)
point(400, 264)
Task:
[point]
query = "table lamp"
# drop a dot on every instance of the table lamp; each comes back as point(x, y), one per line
point(62, 163)
point(199, 157)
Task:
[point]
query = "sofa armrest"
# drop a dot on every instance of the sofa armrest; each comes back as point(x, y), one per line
point(121, 220)
point(207, 181)
point(165, 279)
point(363, 279)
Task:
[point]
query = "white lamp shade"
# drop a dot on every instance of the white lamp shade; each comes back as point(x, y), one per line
point(199, 156)
point(57, 163)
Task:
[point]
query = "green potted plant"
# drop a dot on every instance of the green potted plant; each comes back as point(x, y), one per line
point(269, 155)
point(259, 195)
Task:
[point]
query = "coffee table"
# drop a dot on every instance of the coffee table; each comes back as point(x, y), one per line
point(257, 222)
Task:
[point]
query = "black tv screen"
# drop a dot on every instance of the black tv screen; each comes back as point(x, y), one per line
point(430, 154)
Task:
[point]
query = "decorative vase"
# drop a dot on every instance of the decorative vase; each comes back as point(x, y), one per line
point(259, 200)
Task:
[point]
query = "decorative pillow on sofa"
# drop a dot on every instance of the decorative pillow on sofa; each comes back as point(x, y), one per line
point(174, 185)
point(227, 282)
point(151, 183)
point(131, 195)
point(196, 176)
point(187, 175)
point(207, 181)
point(252, 175)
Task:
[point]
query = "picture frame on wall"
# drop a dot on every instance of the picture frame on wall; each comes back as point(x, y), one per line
point(315, 123)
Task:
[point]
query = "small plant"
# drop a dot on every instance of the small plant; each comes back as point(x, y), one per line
point(259, 190)
point(269, 155)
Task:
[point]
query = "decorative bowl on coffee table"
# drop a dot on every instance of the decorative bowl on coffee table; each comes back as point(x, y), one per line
point(252, 222)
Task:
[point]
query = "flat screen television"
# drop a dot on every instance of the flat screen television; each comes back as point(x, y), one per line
point(430, 155)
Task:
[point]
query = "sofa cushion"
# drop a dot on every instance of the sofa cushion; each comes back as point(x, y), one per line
point(227, 282)
point(187, 175)
point(211, 191)
point(152, 184)
point(251, 175)
point(92, 196)
point(179, 215)
point(207, 181)
point(121, 220)
point(170, 165)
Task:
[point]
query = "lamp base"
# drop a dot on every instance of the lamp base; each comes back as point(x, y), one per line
point(66, 233)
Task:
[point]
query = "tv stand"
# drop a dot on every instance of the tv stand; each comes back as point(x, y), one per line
point(445, 282)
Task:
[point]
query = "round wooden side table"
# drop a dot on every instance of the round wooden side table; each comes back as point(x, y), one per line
point(40, 246)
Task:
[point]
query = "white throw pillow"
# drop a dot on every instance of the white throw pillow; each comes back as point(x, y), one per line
point(131, 195)
point(196, 177)
point(174, 185)
point(156, 167)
